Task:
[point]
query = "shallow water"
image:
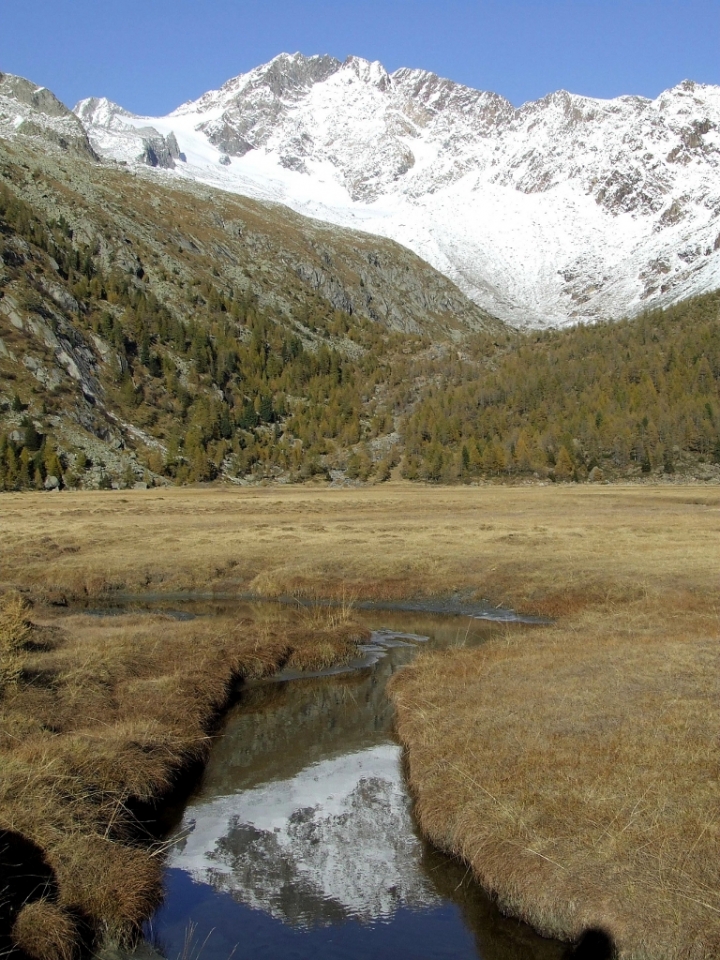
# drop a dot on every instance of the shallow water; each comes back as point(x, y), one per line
point(299, 841)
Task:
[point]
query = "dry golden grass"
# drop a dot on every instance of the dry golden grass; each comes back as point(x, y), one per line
point(536, 547)
point(46, 931)
point(15, 631)
point(104, 715)
point(575, 769)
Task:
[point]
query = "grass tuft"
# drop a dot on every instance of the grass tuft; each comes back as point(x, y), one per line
point(44, 931)
point(15, 632)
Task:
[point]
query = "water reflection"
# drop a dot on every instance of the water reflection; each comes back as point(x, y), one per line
point(332, 842)
point(300, 839)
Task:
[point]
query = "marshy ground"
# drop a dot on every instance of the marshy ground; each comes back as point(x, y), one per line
point(575, 769)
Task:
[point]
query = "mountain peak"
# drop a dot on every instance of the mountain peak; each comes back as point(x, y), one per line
point(568, 208)
point(29, 94)
point(288, 75)
point(289, 72)
point(99, 110)
point(371, 72)
point(28, 110)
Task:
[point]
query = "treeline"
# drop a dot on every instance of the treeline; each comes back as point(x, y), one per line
point(28, 459)
point(633, 396)
point(233, 388)
point(229, 388)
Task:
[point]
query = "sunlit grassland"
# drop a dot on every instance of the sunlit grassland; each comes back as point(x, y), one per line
point(543, 549)
point(577, 772)
point(575, 767)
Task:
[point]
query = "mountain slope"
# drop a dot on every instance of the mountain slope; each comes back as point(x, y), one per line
point(566, 209)
point(167, 332)
point(151, 329)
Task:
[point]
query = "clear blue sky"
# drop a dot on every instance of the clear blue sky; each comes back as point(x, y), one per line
point(151, 55)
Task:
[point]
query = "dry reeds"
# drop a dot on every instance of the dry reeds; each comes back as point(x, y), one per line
point(15, 632)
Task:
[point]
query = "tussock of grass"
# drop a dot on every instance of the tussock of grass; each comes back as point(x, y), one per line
point(575, 769)
point(45, 931)
point(107, 716)
point(324, 637)
point(15, 632)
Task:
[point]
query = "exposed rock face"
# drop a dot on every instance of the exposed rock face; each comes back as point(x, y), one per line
point(553, 212)
point(149, 146)
point(141, 140)
point(235, 131)
point(31, 111)
point(27, 93)
point(159, 151)
point(173, 148)
point(228, 140)
point(69, 349)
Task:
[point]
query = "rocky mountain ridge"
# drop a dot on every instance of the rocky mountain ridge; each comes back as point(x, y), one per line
point(154, 329)
point(36, 113)
point(565, 209)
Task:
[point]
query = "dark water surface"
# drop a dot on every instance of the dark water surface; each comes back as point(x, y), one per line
point(299, 842)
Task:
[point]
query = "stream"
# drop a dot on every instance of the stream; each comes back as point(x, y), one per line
point(299, 839)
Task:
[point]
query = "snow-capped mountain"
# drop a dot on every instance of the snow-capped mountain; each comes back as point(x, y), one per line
point(565, 209)
point(35, 112)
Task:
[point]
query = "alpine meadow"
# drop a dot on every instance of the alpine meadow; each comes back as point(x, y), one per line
point(318, 355)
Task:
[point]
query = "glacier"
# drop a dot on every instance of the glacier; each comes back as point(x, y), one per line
point(567, 209)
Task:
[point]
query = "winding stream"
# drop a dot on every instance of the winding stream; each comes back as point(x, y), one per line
point(299, 841)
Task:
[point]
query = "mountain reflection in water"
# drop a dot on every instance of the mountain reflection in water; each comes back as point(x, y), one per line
point(333, 842)
point(300, 840)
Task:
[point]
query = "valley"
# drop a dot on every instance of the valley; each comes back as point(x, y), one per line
point(251, 345)
point(323, 346)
